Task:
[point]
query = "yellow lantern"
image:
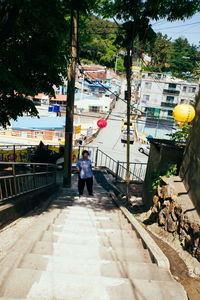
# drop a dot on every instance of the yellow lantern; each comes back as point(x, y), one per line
point(183, 113)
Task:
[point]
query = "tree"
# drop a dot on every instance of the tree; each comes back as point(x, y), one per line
point(180, 53)
point(181, 135)
point(33, 53)
point(159, 52)
point(98, 45)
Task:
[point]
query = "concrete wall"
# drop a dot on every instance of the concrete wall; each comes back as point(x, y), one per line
point(163, 154)
point(190, 169)
point(18, 206)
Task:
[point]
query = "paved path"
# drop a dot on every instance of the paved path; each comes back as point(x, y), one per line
point(83, 249)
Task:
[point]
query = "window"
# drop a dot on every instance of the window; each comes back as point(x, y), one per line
point(172, 85)
point(158, 76)
point(28, 134)
point(146, 97)
point(192, 89)
point(38, 133)
point(184, 88)
point(170, 113)
point(148, 85)
point(59, 133)
point(170, 99)
point(94, 108)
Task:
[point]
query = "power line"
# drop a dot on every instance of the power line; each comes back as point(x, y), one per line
point(137, 121)
point(178, 26)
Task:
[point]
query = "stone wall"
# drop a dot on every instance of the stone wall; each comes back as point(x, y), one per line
point(190, 169)
point(169, 212)
point(163, 153)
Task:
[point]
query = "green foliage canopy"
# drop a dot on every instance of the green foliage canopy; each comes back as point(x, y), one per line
point(33, 53)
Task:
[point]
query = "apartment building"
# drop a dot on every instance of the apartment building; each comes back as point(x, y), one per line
point(160, 93)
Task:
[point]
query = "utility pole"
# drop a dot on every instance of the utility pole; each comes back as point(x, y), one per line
point(128, 64)
point(71, 76)
point(117, 56)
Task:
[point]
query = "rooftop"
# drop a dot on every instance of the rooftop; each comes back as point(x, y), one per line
point(38, 123)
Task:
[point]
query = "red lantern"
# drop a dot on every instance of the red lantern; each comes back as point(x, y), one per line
point(101, 123)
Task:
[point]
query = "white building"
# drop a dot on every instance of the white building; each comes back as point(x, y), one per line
point(92, 103)
point(160, 93)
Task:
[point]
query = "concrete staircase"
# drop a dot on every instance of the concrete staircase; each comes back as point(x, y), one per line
point(84, 249)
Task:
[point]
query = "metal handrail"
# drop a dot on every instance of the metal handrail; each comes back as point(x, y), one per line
point(133, 163)
point(118, 167)
point(25, 163)
point(18, 184)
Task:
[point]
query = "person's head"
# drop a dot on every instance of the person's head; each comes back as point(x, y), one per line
point(85, 154)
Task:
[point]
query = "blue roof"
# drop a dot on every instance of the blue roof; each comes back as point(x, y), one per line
point(96, 84)
point(38, 123)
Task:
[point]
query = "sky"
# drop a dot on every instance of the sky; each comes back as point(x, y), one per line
point(189, 28)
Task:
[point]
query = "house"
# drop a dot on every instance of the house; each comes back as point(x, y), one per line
point(160, 93)
point(92, 103)
point(44, 128)
point(94, 71)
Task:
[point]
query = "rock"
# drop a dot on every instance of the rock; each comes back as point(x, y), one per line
point(194, 251)
point(165, 192)
point(174, 217)
point(196, 241)
point(168, 192)
point(197, 255)
point(161, 218)
point(166, 203)
point(154, 210)
point(188, 242)
point(174, 198)
point(171, 207)
point(181, 222)
point(171, 225)
point(186, 226)
point(182, 237)
point(178, 210)
point(197, 271)
point(195, 229)
point(156, 200)
point(159, 191)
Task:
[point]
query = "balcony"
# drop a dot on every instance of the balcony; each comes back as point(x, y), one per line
point(171, 92)
point(168, 104)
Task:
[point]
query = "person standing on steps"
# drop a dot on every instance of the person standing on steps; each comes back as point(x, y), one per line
point(85, 174)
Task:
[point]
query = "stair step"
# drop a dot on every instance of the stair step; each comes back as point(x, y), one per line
point(96, 224)
point(34, 284)
point(51, 236)
point(95, 252)
point(92, 230)
point(95, 267)
point(91, 216)
point(89, 204)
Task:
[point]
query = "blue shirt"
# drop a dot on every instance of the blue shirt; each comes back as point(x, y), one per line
point(85, 167)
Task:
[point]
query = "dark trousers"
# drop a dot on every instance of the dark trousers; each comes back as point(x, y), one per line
point(89, 184)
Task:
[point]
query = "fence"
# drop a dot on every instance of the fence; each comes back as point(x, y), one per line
point(137, 170)
point(98, 158)
point(20, 178)
point(24, 153)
